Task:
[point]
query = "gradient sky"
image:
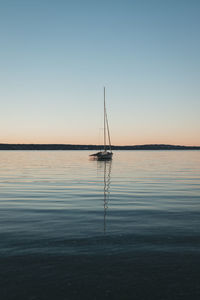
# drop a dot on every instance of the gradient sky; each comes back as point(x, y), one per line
point(56, 56)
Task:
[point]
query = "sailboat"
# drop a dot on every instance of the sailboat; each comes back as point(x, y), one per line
point(105, 154)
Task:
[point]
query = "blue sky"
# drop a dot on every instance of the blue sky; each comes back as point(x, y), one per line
point(56, 56)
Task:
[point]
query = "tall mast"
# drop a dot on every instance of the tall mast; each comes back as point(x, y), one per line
point(104, 119)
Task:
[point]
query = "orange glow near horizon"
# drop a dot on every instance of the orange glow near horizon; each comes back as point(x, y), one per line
point(86, 140)
point(85, 134)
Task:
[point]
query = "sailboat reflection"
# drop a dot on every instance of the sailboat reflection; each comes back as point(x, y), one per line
point(107, 164)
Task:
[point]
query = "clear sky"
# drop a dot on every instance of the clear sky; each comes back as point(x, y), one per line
point(56, 56)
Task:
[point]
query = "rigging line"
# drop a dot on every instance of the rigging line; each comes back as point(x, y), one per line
point(104, 120)
point(108, 132)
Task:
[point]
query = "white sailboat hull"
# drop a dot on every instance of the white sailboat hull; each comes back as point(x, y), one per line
point(105, 155)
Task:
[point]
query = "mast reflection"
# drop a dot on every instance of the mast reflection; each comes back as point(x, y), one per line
point(107, 165)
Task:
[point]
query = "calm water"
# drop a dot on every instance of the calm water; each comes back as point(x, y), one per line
point(73, 228)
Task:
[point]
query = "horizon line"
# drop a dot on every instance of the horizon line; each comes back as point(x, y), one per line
point(100, 145)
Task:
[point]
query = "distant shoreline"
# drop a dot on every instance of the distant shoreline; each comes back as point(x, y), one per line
point(93, 147)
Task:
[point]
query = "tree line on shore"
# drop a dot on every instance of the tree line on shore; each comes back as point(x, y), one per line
point(93, 147)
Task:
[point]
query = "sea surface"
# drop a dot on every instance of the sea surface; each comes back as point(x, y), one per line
point(74, 228)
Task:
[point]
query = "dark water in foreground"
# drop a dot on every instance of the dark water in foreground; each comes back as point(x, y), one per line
point(71, 228)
